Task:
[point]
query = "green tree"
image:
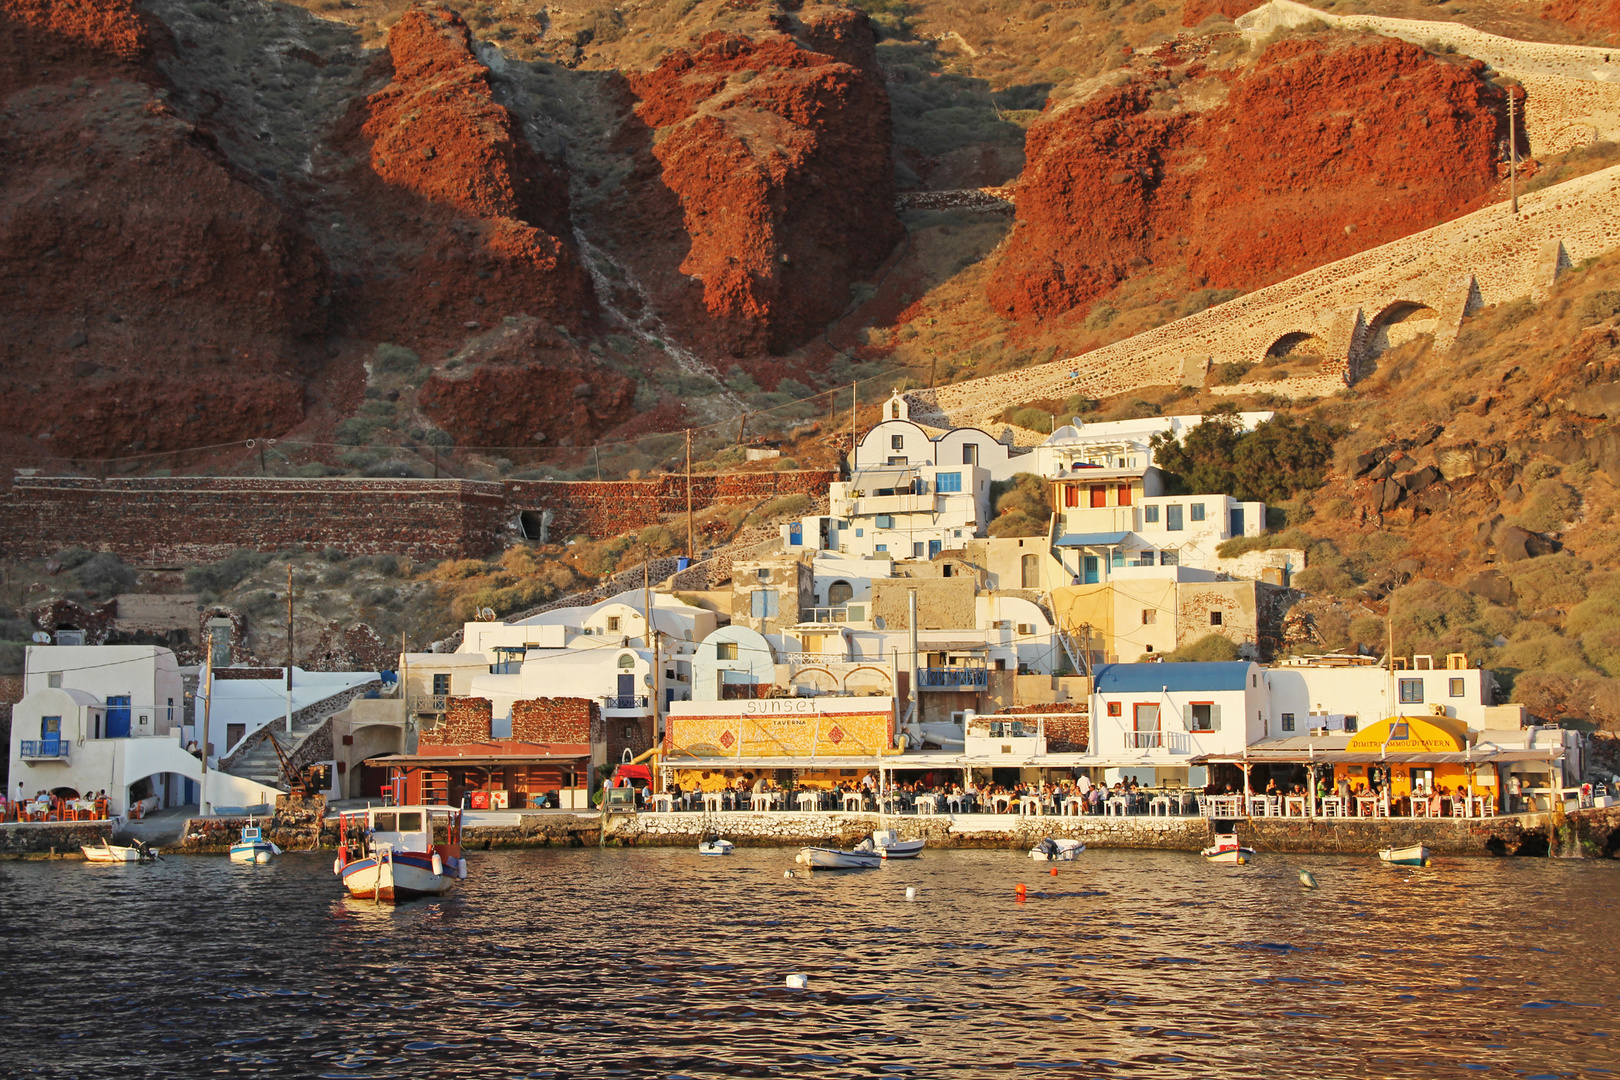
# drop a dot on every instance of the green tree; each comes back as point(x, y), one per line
point(1021, 506)
point(1276, 460)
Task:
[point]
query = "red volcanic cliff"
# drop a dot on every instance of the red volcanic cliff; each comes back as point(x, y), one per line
point(779, 157)
point(487, 214)
point(1316, 154)
point(1600, 18)
point(527, 387)
point(152, 297)
point(1196, 11)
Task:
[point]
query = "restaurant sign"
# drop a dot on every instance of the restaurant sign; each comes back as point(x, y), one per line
point(780, 727)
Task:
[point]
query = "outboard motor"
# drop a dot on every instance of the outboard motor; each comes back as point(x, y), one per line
point(1047, 847)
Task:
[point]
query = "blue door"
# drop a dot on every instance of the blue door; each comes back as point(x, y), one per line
point(796, 534)
point(627, 691)
point(1235, 520)
point(1092, 575)
point(934, 547)
point(118, 717)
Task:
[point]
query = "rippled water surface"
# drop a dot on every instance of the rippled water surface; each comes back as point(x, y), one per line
point(661, 963)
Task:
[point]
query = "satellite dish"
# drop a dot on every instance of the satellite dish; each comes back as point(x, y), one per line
point(41, 638)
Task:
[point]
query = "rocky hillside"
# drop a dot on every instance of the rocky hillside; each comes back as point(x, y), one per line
point(1239, 178)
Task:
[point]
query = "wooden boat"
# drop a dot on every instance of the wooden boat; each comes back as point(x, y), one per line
point(888, 845)
point(252, 847)
point(1226, 849)
point(1056, 850)
point(713, 845)
point(387, 853)
point(1410, 855)
point(820, 858)
point(107, 852)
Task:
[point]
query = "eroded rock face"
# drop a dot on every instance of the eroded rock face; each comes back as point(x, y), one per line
point(153, 298)
point(778, 159)
point(1599, 18)
point(527, 386)
point(1196, 11)
point(485, 217)
point(1315, 153)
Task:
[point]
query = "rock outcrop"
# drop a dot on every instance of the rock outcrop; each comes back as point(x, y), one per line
point(776, 150)
point(153, 297)
point(1598, 18)
point(487, 216)
point(527, 386)
point(1313, 154)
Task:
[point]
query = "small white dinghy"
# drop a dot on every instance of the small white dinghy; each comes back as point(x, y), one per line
point(1055, 849)
point(1410, 855)
point(713, 845)
point(1226, 849)
point(820, 858)
point(253, 846)
point(888, 845)
point(107, 852)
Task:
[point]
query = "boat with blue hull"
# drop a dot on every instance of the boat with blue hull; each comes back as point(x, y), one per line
point(388, 853)
point(253, 846)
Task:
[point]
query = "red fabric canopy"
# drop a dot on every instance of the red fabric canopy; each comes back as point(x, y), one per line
point(636, 772)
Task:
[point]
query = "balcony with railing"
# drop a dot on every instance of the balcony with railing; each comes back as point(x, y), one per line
point(844, 613)
point(1177, 742)
point(953, 678)
point(626, 703)
point(45, 749)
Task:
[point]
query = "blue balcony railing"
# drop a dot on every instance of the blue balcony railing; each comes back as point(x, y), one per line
point(952, 678)
point(45, 748)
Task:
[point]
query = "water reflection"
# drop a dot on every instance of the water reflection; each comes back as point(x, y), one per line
point(664, 963)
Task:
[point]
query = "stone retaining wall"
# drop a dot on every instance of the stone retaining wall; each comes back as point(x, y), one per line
point(32, 839)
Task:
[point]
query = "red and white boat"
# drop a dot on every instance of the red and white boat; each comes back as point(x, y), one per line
point(387, 853)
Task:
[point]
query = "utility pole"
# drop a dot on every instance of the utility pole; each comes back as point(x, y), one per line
point(207, 688)
point(289, 648)
point(933, 369)
point(1513, 154)
point(1085, 648)
point(691, 548)
point(596, 452)
point(853, 405)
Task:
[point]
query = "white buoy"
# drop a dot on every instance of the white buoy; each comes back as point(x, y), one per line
point(1307, 879)
point(787, 873)
point(911, 892)
point(797, 982)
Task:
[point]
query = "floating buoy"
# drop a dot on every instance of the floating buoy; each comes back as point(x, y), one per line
point(911, 892)
point(1306, 879)
point(1243, 860)
point(787, 873)
point(1054, 871)
point(1020, 890)
point(797, 981)
point(1425, 862)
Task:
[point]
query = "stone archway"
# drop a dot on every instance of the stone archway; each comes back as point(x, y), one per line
point(868, 682)
point(809, 682)
point(1303, 348)
point(1399, 323)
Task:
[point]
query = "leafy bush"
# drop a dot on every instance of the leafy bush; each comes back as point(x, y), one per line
point(1550, 505)
point(74, 557)
point(1033, 419)
point(1211, 648)
point(224, 575)
point(1599, 306)
point(357, 430)
point(1021, 506)
point(783, 506)
point(105, 575)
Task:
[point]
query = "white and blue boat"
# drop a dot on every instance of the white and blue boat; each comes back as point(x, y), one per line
point(253, 847)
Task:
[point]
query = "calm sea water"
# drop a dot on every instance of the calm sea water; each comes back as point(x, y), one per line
point(661, 963)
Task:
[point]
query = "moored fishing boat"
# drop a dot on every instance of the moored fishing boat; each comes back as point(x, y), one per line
point(253, 846)
point(888, 845)
point(108, 852)
point(1226, 849)
point(388, 854)
point(820, 858)
point(712, 844)
point(1410, 855)
point(1056, 849)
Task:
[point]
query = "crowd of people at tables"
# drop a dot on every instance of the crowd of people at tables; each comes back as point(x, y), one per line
point(49, 806)
point(904, 797)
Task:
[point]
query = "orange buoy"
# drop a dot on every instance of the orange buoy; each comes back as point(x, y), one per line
point(1020, 890)
point(1054, 871)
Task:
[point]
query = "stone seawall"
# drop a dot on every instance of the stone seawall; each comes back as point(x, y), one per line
point(36, 839)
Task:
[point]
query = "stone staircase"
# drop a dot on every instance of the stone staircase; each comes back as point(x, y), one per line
point(256, 759)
